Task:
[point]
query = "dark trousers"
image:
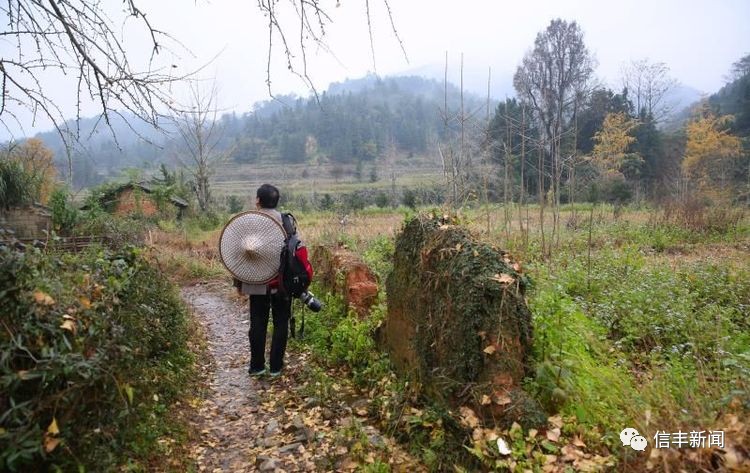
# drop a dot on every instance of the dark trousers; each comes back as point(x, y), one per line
point(281, 308)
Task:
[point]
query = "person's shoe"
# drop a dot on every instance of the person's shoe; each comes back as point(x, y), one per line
point(274, 374)
point(257, 372)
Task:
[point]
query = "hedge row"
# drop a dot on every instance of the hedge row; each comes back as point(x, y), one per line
point(92, 346)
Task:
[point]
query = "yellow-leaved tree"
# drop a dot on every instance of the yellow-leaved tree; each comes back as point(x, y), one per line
point(711, 154)
point(37, 161)
point(611, 145)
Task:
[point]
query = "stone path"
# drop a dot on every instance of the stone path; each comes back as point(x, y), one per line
point(251, 424)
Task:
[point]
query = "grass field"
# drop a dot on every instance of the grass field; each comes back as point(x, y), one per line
point(640, 318)
point(306, 179)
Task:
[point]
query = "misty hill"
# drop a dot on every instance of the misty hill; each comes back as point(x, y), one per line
point(734, 99)
point(355, 120)
point(352, 121)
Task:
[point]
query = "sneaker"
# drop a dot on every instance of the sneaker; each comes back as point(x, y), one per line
point(256, 373)
point(274, 374)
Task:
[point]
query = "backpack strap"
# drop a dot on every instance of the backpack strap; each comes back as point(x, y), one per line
point(289, 223)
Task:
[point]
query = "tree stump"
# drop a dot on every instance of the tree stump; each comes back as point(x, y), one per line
point(458, 322)
point(345, 274)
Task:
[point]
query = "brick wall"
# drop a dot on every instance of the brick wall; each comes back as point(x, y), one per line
point(27, 222)
point(131, 202)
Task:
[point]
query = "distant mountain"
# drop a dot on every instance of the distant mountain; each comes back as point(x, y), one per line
point(475, 79)
point(734, 99)
point(352, 121)
point(681, 97)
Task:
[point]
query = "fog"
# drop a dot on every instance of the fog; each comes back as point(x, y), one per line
point(227, 43)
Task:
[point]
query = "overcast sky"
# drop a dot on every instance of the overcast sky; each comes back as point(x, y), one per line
point(699, 40)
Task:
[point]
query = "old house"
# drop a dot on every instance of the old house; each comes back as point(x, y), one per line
point(138, 198)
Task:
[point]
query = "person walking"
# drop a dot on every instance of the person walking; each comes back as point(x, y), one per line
point(269, 298)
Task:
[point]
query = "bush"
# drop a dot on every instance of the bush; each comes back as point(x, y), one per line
point(409, 199)
point(382, 200)
point(327, 202)
point(235, 204)
point(17, 187)
point(64, 215)
point(120, 230)
point(93, 346)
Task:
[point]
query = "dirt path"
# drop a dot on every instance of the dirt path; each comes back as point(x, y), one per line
point(250, 424)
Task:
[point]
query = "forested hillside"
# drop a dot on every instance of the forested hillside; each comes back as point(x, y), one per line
point(355, 120)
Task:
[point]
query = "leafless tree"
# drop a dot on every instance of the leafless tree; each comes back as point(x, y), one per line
point(300, 24)
point(51, 41)
point(648, 84)
point(548, 79)
point(56, 40)
point(201, 137)
point(463, 132)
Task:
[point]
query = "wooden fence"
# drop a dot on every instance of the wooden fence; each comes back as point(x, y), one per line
point(72, 244)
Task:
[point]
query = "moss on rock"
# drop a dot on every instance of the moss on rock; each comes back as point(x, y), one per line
point(458, 322)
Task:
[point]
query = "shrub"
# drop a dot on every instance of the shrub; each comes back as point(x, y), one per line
point(120, 230)
point(93, 346)
point(327, 202)
point(17, 187)
point(64, 215)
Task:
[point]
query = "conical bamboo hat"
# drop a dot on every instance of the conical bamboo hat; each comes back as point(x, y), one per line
point(250, 247)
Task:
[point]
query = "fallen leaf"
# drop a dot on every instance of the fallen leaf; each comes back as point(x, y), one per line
point(485, 400)
point(502, 447)
point(490, 349)
point(553, 435)
point(468, 417)
point(517, 267)
point(85, 302)
point(23, 375)
point(502, 399)
point(578, 442)
point(68, 325)
point(42, 298)
point(53, 429)
point(50, 443)
point(556, 421)
point(532, 433)
point(503, 278)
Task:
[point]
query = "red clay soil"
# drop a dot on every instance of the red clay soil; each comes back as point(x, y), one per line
point(343, 273)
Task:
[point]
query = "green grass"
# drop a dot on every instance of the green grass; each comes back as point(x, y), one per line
point(655, 335)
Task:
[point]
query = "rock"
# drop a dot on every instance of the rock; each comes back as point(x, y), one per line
point(312, 402)
point(346, 422)
point(305, 435)
point(358, 286)
point(327, 414)
point(457, 318)
point(374, 437)
point(290, 448)
point(360, 407)
point(269, 465)
point(268, 442)
point(272, 427)
point(298, 423)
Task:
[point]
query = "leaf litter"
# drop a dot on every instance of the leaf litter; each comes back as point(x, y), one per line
point(241, 423)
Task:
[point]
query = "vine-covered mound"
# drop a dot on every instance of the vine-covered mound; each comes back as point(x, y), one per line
point(457, 320)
